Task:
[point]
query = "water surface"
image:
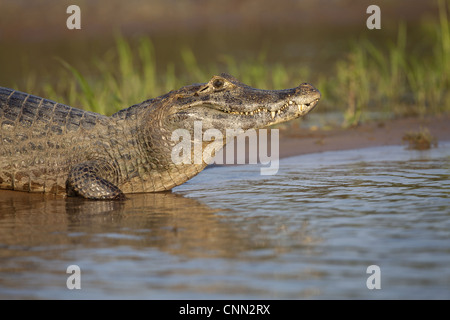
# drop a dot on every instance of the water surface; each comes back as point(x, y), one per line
point(309, 231)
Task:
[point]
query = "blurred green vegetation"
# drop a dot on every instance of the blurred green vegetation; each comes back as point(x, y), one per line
point(396, 79)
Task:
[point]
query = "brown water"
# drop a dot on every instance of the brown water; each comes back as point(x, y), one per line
point(310, 231)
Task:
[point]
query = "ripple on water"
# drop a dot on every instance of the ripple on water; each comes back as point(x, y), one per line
point(311, 230)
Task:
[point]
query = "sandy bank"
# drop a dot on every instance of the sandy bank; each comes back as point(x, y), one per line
point(303, 141)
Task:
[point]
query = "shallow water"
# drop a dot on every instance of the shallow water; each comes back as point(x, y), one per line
point(309, 231)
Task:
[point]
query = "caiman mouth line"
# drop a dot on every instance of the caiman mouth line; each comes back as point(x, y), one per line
point(260, 110)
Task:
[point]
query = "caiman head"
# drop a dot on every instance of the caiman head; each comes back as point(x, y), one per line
point(225, 103)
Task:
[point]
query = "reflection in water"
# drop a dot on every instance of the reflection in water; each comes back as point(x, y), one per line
point(309, 231)
point(167, 221)
point(41, 235)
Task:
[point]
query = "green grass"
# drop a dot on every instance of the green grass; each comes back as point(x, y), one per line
point(396, 79)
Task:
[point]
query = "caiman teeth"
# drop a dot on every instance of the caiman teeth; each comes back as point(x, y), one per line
point(301, 108)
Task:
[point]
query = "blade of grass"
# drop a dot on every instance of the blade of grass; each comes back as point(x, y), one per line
point(84, 85)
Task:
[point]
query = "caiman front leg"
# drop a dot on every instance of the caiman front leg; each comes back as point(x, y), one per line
point(94, 180)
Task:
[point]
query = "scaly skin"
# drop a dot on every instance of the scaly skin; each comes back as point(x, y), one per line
point(50, 147)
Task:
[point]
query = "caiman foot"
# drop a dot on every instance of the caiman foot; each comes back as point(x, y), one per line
point(87, 180)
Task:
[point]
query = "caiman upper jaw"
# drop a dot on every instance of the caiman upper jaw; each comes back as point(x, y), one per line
point(248, 107)
point(293, 103)
point(301, 107)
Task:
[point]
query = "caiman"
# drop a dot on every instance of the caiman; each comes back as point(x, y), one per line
point(49, 147)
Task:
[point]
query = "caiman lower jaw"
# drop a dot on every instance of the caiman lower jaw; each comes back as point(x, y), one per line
point(302, 108)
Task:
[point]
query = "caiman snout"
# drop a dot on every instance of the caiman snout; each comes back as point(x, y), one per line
point(307, 97)
point(309, 91)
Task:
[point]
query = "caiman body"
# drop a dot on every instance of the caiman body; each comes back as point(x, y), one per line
point(50, 147)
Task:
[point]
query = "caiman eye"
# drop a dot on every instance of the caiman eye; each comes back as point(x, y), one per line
point(218, 84)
